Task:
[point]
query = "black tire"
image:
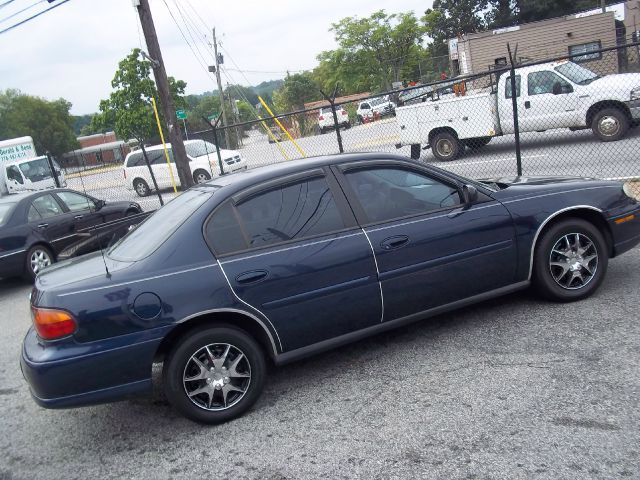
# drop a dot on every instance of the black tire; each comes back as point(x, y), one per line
point(415, 151)
point(549, 265)
point(179, 361)
point(346, 125)
point(201, 176)
point(610, 124)
point(141, 187)
point(360, 119)
point(446, 146)
point(38, 257)
point(476, 143)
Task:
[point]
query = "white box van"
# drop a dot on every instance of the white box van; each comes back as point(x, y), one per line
point(29, 174)
point(203, 161)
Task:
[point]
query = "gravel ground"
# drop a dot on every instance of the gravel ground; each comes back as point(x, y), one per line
point(514, 388)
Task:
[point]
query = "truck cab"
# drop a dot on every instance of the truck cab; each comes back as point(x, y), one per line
point(28, 175)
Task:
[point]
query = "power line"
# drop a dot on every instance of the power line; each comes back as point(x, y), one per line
point(20, 11)
point(187, 27)
point(31, 17)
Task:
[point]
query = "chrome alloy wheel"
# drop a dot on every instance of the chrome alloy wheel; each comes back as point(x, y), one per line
point(217, 376)
point(573, 261)
point(39, 260)
point(609, 126)
point(202, 177)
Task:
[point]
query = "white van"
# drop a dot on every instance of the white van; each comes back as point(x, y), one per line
point(203, 160)
point(29, 174)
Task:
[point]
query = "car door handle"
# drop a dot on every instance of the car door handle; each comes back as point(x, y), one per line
point(252, 276)
point(43, 225)
point(392, 243)
point(78, 217)
point(527, 104)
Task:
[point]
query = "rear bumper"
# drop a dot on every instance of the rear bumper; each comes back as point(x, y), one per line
point(69, 374)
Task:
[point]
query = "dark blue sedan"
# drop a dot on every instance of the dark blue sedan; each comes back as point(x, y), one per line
point(283, 262)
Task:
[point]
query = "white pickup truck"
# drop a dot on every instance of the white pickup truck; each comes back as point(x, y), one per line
point(549, 96)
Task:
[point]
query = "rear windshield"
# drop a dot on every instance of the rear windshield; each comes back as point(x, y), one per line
point(5, 211)
point(155, 230)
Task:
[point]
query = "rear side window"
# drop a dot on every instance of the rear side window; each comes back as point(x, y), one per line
point(291, 212)
point(5, 212)
point(507, 87)
point(135, 160)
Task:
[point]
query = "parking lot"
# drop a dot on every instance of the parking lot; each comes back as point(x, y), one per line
point(514, 388)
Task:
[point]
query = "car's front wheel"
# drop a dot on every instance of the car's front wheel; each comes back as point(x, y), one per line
point(214, 374)
point(610, 124)
point(38, 258)
point(570, 261)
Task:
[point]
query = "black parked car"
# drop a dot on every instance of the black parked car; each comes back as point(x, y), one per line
point(39, 228)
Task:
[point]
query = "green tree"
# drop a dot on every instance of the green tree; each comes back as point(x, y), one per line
point(381, 44)
point(128, 109)
point(207, 106)
point(49, 123)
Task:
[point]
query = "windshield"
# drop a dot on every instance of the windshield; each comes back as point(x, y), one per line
point(5, 212)
point(200, 148)
point(156, 229)
point(576, 73)
point(36, 170)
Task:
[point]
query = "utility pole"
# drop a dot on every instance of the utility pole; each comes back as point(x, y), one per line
point(166, 102)
point(222, 102)
point(603, 4)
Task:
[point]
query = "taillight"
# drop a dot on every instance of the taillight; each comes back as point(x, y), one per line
point(51, 324)
point(320, 117)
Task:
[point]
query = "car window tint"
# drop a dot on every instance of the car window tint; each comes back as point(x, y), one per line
point(75, 202)
point(291, 212)
point(5, 211)
point(389, 193)
point(135, 160)
point(47, 206)
point(223, 231)
point(156, 157)
point(364, 106)
point(33, 214)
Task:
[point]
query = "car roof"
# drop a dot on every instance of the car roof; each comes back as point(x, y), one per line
point(18, 197)
point(161, 147)
point(247, 178)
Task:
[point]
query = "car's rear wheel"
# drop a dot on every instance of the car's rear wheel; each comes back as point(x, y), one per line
point(610, 124)
point(38, 258)
point(214, 374)
point(141, 187)
point(445, 146)
point(201, 176)
point(570, 261)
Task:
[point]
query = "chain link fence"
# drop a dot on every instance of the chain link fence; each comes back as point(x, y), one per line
point(576, 116)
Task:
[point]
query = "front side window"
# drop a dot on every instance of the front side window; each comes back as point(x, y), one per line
point(75, 202)
point(47, 206)
point(14, 174)
point(391, 193)
point(365, 106)
point(586, 48)
point(539, 83)
point(507, 87)
point(291, 212)
point(200, 148)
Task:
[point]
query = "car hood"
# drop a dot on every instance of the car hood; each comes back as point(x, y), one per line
point(621, 83)
point(510, 187)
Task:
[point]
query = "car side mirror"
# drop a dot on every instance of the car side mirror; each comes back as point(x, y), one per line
point(469, 194)
point(559, 89)
point(100, 204)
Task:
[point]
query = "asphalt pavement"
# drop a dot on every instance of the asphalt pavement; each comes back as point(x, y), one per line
point(514, 388)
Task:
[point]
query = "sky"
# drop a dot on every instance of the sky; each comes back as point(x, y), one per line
point(73, 51)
